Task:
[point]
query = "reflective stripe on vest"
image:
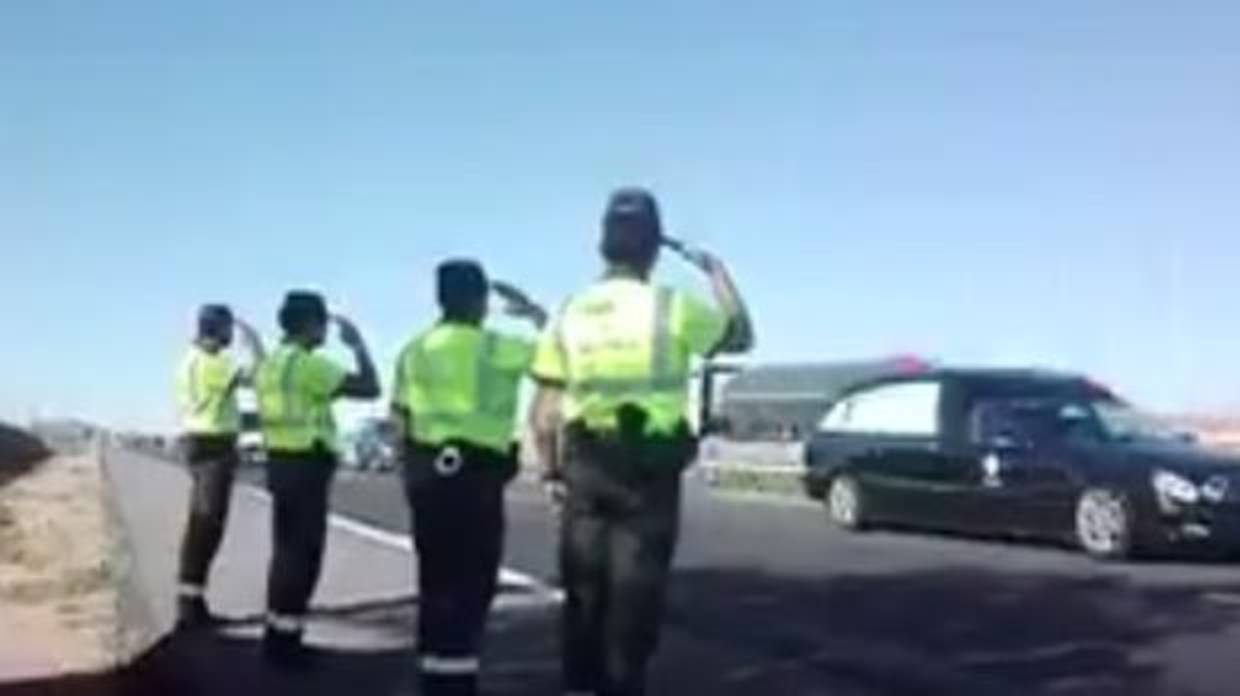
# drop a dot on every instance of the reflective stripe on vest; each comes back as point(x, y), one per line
point(485, 391)
point(288, 421)
point(290, 413)
point(662, 377)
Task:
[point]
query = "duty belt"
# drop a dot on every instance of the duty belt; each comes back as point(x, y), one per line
point(449, 462)
point(454, 458)
point(632, 457)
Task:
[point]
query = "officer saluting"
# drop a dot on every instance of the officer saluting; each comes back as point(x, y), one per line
point(206, 389)
point(296, 388)
point(613, 375)
point(455, 403)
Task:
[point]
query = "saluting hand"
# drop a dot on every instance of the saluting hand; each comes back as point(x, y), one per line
point(349, 335)
point(517, 303)
point(244, 327)
point(253, 340)
point(702, 259)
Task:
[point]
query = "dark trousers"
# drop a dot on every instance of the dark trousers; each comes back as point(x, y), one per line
point(618, 536)
point(213, 465)
point(299, 485)
point(458, 529)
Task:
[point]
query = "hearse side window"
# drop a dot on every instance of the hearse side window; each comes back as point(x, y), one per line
point(1028, 421)
point(905, 408)
point(1012, 420)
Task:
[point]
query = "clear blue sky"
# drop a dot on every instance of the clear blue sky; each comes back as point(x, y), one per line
point(1050, 182)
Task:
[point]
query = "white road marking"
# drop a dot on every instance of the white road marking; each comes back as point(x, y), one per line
point(543, 593)
point(1229, 598)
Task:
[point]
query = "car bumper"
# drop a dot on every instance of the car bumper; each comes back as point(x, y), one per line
point(1201, 525)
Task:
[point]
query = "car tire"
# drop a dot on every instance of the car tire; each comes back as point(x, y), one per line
point(1105, 525)
point(845, 503)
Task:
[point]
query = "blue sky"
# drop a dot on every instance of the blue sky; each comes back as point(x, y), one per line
point(1049, 183)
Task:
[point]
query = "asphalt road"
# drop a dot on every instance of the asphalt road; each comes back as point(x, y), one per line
point(771, 586)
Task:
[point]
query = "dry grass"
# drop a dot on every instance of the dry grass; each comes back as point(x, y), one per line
point(56, 586)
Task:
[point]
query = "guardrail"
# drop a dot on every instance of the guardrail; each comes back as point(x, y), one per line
point(784, 481)
point(761, 467)
point(136, 630)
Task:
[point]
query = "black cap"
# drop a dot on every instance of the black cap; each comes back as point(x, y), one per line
point(633, 206)
point(213, 320)
point(632, 229)
point(302, 307)
point(460, 284)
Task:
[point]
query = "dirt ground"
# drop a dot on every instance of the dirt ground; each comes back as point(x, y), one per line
point(58, 604)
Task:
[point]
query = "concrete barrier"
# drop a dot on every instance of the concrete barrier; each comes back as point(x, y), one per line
point(136, 630)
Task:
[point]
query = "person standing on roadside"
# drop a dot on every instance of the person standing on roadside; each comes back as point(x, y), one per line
point(611, 425)
point(454, 402)
point(206, 392)
point(296, 388)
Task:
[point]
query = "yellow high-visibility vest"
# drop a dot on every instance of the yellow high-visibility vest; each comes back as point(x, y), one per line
point(623, 341)
point(461, 382)
point(206, 393)
point(295, 389)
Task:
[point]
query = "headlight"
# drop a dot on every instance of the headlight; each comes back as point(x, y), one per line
point(1173, 489)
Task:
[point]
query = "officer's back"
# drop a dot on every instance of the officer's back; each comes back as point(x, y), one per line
point(610, 415)
point(455, 401)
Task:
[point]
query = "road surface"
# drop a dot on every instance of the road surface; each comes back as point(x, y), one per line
point(772, 586)
point(361, 625)
point(765, 599)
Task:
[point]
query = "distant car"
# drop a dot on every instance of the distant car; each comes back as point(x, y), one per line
point(250, 442)
point(1026, 453)
point(371, 447)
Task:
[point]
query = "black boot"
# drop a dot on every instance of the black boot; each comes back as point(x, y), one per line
point(285, 651)
point(193, 614)
point(449, 685)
